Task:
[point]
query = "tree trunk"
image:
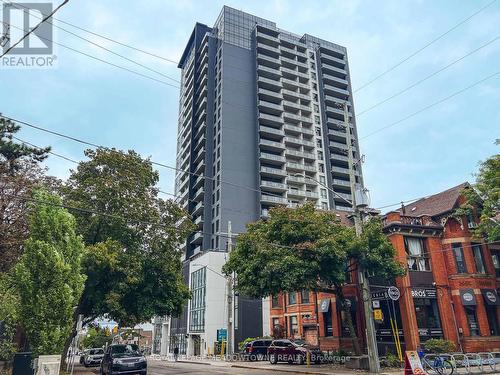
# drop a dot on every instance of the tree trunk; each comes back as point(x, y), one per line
point(73, 333)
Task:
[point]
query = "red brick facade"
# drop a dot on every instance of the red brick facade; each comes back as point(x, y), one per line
point(449, 291)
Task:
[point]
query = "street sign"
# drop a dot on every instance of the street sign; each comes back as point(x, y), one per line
point(393, 293)
point(222, 334)
point(376, 304)
point(378, 315)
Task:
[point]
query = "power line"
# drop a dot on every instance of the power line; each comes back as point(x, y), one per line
point(413, 54)
point(105, 61)
point(102, 47)
point(427, 77)
point(115, 41)
point(432, 105)
point(33, 29)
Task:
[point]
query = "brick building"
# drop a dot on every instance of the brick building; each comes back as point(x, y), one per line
point(450, 290)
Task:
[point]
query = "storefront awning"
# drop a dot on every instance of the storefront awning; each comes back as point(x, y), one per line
point(324, 305)
point(490, 297)
point(467, 296)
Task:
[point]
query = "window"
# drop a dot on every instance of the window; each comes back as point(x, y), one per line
point(318, 143)
point(292, 298)
point(318, 132)
point(458, 252)
point(324, 206)
point(316, 108)
point(418, 260)
point(323, 193)
point(275, 302)
point(495, 257)
point(427, 313)
point(197, 312)
point(316, 119)
point(322, 168)
point(294, 325)
point(491, 313)
point(276, 322)
point(478, 258)
point(320, 155)
point(322, 179)
point(304, 296)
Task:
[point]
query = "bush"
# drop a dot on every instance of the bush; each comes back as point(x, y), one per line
point(391, 360)
point(439, 346)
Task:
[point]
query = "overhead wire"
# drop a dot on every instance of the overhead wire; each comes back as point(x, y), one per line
point(20, 6)
point(413, 54)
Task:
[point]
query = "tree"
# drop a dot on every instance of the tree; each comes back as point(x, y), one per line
point(484, 199)
point(307, 249)
point(133, 261)
point(12, 153)
point(97, 337)
point(20, 174)
point(48, 277)
point(8, 318)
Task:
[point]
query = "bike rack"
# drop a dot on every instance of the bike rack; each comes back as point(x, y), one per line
point(460, 361)
point(488, 361)
point(475, 361)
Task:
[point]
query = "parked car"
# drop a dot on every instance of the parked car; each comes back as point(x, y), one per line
point(256, 350)
point(93, 357)
point(123, 359)
point(82, 355)
point(288, 351)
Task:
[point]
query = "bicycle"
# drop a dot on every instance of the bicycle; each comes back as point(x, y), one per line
point(439, 364)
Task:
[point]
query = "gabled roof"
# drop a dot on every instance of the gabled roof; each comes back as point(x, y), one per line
point(436, 204)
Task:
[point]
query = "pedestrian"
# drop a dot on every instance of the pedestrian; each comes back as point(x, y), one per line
point(176, 353)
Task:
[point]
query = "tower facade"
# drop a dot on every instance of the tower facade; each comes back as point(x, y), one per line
point(260, 124)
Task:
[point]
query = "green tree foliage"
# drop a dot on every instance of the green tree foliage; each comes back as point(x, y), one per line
point(48, 277)
point(484, 199)
point(97, 337)
point(440, 346)
point(8, 318)
point(19, 176)
point(12, 153)
point(306, 249)
point(132, 262)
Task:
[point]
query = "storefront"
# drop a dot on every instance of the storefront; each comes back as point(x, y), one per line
point(492, 302)
point(427, 313)
point(469, 303)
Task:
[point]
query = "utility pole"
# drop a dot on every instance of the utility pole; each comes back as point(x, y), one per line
point(371, 341)
point(229, 289)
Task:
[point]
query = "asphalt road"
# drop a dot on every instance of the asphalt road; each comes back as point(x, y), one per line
point(161, 368)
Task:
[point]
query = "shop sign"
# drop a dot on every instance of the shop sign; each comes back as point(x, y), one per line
point(324, 305)
point(393, 293)
point(222, 334)
point(377, 315)
point(467, 296)
point(423, 293)
point(415, 363)
point(491, 297)
point(379, 294)
point(387, 332)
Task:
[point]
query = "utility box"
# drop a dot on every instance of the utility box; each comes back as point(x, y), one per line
point(23, 364)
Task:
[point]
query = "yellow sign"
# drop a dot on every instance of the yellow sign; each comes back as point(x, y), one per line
point(378, 315)
point(115, 329)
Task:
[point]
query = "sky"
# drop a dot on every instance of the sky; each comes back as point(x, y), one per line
point(427, 153)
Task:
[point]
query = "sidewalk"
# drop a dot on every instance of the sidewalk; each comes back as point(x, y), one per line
point(324, 369)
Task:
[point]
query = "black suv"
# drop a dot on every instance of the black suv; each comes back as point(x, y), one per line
point(123, 359)
point(256, 350)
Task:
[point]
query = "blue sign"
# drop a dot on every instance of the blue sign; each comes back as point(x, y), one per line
point(222, 334)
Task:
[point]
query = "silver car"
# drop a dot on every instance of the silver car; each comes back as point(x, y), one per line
point(93, 357)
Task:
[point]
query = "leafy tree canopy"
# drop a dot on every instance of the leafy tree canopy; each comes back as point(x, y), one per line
point(132, 260)
point(48, 277)
point(12, 153)
point(484, 198)
point(307, 249)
